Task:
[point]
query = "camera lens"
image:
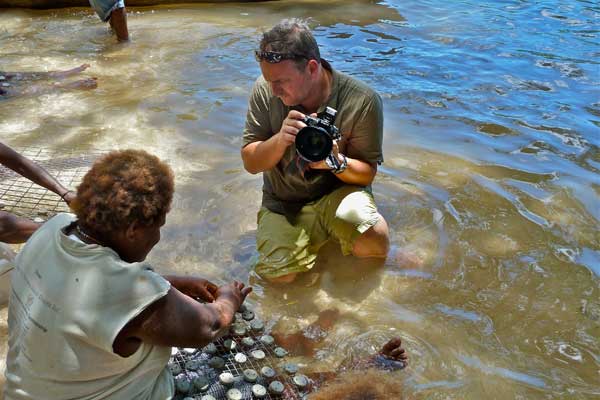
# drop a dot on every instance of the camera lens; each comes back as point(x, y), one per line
point(313, 143)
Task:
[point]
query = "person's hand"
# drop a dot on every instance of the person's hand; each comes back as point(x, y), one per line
point(335, 150)
point(68, 197)
point(290, 127)
point(393, 350)
point(235, 291)
point(202, 289)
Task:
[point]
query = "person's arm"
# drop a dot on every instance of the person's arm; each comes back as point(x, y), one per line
point(392, 356)
point(179, 320)
point(357, 172)
point(27, 168)
point(261, 156)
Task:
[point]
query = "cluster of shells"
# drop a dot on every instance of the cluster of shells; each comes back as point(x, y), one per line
point(243, 365)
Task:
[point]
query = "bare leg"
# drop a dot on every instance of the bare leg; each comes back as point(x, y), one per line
point(118, 22)
point(68, 72)
point(375, 242)
point(18, 76)
point(15, 229)
point(82, 84)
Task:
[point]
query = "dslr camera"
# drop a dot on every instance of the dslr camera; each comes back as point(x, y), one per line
point(314, 142)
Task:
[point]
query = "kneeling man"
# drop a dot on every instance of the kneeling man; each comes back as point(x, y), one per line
point(306, 203)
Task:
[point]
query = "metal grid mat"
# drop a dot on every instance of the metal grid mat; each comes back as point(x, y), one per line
point(21, 197)
point(182, 357)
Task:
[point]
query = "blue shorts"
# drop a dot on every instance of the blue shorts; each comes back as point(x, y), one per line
point(105, 7)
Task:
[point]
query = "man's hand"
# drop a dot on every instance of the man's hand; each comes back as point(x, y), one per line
point(235, 291)
point(198, 288)
point(290, 127)
point(202, 289)
point(335, 150)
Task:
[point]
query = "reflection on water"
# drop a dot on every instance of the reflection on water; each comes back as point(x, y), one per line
point(491, 175)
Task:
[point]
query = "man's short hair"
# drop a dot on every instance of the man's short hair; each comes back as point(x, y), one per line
point(292, 36)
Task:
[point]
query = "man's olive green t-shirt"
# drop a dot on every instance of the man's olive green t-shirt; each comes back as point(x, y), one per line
point(291, 184)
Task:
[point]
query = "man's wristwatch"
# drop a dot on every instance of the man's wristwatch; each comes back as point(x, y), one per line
point(337, 166)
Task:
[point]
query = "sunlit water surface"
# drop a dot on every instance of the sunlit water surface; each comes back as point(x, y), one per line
point(491, 173)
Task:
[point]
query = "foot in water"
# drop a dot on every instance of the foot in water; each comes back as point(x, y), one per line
point(69, 72)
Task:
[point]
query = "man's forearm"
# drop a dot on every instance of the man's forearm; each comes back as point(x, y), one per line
point(262, 156)
point(27, 168)
point(358, 172)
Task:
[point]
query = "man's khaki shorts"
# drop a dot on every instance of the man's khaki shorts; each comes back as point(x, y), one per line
point(343, 215)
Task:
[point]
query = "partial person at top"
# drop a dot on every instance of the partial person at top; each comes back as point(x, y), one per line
point(113, 12)
point(308, 201)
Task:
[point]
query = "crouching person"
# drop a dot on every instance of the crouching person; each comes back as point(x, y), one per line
point(87, 318)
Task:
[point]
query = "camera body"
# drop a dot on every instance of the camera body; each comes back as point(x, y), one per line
point(314, 142)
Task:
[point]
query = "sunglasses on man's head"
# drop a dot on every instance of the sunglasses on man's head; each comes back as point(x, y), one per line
point(274, 57)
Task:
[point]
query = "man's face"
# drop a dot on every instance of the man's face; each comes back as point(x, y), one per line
point(287, 82)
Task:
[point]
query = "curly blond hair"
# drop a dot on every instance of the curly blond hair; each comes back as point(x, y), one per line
point(124, 187)
point(371, 384)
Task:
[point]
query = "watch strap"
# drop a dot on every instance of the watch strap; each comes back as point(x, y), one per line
point(337, 166)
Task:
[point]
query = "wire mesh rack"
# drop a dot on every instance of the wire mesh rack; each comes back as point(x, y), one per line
point(199, 373)
point(20, 196)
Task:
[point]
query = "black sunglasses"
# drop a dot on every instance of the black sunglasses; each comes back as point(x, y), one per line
point(273, 57)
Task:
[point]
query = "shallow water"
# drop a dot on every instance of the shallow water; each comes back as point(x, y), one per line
point(492, 151)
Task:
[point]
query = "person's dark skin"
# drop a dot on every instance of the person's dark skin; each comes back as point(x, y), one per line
point(17, 76)
point(302, 344)
point(24, 87)
point(178, 318)
point(392, 356)
point(14, 229)
point(118, 23)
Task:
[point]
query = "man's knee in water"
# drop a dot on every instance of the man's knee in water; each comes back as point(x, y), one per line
point(374, 242)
